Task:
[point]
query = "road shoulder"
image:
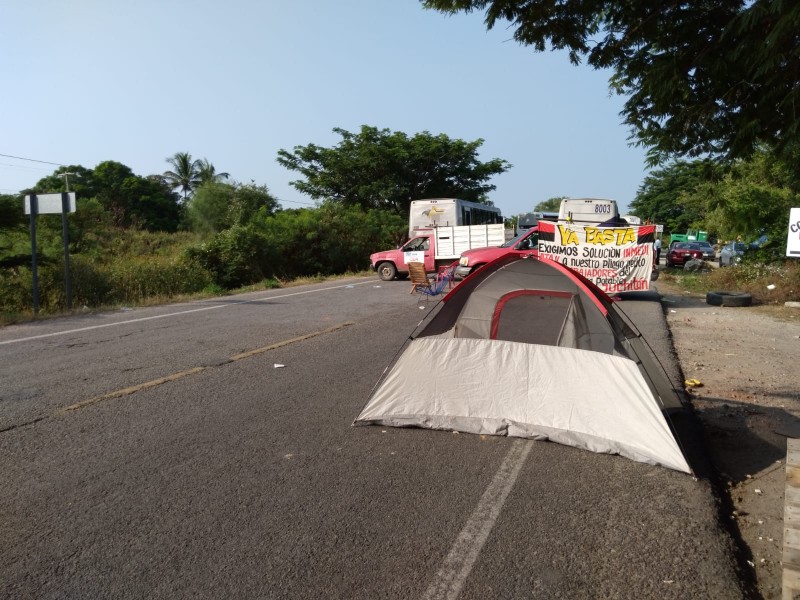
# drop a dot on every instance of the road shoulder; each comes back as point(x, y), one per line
point(743, 361)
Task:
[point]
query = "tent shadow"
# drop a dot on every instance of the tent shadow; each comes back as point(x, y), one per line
point(734, 440)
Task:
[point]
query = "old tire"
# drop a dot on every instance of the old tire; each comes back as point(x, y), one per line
point(386, 271)
point(729, 299)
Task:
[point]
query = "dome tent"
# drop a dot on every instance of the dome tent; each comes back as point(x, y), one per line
point(529, 348)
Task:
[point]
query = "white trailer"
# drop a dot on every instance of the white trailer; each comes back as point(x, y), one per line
point(452, 241)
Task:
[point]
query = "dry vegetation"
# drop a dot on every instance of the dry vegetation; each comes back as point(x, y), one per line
point(773, 284)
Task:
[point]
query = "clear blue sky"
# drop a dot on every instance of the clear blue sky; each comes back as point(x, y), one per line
point(135, 82)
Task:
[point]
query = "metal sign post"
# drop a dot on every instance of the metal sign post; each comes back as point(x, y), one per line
point(65, 235)
point(38, 204)
point(34, 207)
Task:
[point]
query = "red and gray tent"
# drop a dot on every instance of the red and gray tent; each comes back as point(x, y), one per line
point(529, 348)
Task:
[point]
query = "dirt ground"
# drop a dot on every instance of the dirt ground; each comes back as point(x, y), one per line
point(749, 403)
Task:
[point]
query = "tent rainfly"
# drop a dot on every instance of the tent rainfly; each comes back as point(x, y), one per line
point(529, 348)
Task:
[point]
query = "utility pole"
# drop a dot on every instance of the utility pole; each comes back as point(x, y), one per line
point(65, 235)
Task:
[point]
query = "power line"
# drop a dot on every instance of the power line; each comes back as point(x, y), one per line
point(23, 167)
point(62, 165)
point(296, 202)
point(33, 160)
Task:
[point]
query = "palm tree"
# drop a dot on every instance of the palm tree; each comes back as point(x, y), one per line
point(185, 172)
point(208, 173)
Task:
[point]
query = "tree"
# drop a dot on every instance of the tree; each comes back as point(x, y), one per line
point(704, 77)
point(12, 215)
point(376, 168)
point(150, 205)
point(82, 182)
point(754, 197)
point(219, 206)
point(662, 197)
point(185, 173)
point(252, 200)
point(109, 177)
point(207, 173)
point(127, 198)
point(208, 211)
point(549, 205)
point(747, 198)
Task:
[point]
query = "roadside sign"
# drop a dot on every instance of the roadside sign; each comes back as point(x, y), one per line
point(38, 204)
point(793, 243)
point(51, 203)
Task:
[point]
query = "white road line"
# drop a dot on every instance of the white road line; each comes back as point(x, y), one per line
point(457, 566)
point(175, 314)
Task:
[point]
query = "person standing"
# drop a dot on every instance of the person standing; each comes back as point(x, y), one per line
point(657, 246)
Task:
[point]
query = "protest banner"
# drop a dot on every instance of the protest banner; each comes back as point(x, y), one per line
point(615, 258)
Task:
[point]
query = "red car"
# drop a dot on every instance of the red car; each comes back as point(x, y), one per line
point(525, 244)
point(681, 253)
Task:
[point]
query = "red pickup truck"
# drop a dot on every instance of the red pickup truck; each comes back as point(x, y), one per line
point(435, 247)
point(525, 244)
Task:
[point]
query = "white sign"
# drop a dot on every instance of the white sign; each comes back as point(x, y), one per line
point(49, 203)
point(793, 243)
point(416, 256)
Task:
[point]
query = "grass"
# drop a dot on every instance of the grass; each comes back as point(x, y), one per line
point(768, 284)
point(211, 291)
point(752, 278)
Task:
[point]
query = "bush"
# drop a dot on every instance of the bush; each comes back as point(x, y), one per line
point(16, 290)
point(235, 257)
point(127, 281)
point(136, 279)
point(753, 278)
point(111, 265)
point(329, 240)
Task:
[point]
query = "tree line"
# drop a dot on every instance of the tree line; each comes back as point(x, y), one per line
point(743, 199)
point(192, 228)
point(711, 93)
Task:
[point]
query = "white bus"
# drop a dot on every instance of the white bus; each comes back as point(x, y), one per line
point(450, 212)
point(527, 220)
point(588, 210)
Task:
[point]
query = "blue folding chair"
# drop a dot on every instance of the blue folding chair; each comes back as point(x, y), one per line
point(449, 272)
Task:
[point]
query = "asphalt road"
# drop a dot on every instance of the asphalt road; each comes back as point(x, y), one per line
point(162, 453)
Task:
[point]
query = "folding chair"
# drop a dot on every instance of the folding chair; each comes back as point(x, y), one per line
point(435, 287)
point(449, 272)
point(418, 276)
point(422, 284)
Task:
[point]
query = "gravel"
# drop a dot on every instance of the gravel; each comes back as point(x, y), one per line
point(745, 359)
